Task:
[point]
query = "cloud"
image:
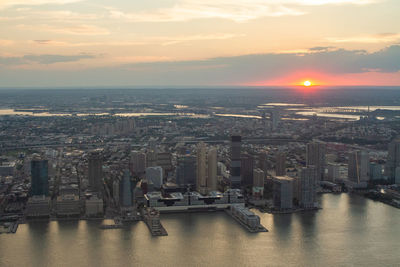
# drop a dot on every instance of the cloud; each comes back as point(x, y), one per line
point(237, 70)
point(79, 29)
point(42, 59)
point(321, 48)
point(199, 37)
point(375, 38)
point(238, 10)
point(155, 40)
point(12, 3)
point(4, 42)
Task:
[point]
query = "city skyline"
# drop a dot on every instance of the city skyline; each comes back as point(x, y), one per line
point(199, 43)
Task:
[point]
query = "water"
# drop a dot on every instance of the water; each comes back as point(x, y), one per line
point(349, 231)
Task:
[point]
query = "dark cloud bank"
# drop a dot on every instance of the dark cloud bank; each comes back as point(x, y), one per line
point(215, 71)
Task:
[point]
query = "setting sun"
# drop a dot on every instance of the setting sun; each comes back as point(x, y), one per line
point(307, 83)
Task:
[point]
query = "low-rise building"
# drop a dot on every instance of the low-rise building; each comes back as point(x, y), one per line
point(68, 205)
point(94, 206)
point(38, 206)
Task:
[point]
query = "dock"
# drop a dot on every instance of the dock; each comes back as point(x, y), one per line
point(152, 219)
point(246, 218)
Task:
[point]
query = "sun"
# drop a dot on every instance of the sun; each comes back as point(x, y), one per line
point(307, 83)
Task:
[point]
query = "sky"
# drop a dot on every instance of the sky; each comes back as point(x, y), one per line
point(57, 43)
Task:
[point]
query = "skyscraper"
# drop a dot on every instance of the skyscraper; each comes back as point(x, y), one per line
point(137, 164)
point(164, 159)
point(212, 162)
point(280, 164)
point(236, 143)
point(333, 172)
point(358, 167)
point(308, 176)
point(258, 183)
point(275, 118)
point(40, 179)
point(126, 190)
point(283, 192)
point(393, 160)
point(151, 158)
point(95, 171)
point(155, 175)
point(201, 168)
point(246, 169)
point(186, 171)
point(315, 156)
point(375, 171)
point(263, 161)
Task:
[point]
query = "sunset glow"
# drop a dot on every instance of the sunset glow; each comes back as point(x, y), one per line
point(307, 83)
point(175, 42)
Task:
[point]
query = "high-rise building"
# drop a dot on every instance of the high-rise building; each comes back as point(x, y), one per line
point(137, 164)
point(259, 176)
point(246, 169)
point(308, 176)
point(236, 143)
point(155, 175)
point(393, 160)
point(201, 168)
point(95, 171)
point(275, 118)
point(164, 159)
point(263, 161)
point(186, 171)
point(358, 167)
point(315, 156)
point(151, 158)
point(333, 172)
point(116, 191)
point(282, 192)
point(126, 190)
point(212, 162)
point(375, 171)
point(258, 183)
point(40, 179)
point(280, 164)
point(206, 169)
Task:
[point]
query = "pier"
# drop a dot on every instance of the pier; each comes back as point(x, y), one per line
point(246, 218)
point(152, 219)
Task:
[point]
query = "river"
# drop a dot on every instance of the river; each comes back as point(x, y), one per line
point(349, 231)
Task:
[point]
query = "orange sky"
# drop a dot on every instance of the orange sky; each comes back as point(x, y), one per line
point(325, 79)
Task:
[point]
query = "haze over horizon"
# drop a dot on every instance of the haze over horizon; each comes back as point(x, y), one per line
point(91, 43)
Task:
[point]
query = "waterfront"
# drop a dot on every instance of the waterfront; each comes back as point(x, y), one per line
point(349, 231)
